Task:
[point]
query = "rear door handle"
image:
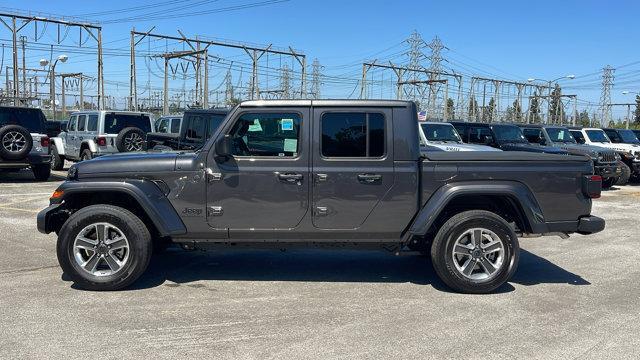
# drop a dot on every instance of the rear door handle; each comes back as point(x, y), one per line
point(369, 178)
point(288, 177)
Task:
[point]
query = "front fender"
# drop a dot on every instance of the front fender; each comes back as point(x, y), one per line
point(516, 191)
point(146, 193)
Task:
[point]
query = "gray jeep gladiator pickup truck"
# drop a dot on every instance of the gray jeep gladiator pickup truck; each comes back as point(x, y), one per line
point(318, 173)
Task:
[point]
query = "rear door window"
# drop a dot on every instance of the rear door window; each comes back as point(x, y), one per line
point(92, 122)
point(175, 125)
point(353, 134)
point(115, 122)
point(82, 122)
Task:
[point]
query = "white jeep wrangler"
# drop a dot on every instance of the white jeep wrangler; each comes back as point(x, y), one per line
point(94, 133)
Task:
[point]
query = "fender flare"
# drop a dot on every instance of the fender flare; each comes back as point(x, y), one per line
point(91, 145)
point(516, 191)
point(59, 144)
point(146, 193)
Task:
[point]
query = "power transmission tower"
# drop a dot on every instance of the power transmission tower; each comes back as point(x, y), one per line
point(228, 88)
point(416, 59)
point(285, 83)
point(605, 97)
point(315, 79)
point(435, 67)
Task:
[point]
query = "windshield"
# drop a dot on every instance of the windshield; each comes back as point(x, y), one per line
point(628, 136)
point(440, 132)
point(508, 133)
point(597, 136)
point(561, 135)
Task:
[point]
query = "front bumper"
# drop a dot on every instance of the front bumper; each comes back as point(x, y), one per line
point(608, 171)
point(45, 218)
point(590, 225)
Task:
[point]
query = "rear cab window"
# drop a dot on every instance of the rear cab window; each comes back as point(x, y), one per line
point(115, 122)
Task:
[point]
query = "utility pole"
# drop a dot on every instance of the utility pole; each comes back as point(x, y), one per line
point(605, 97)
point(23, 42)
point(435, 67)
point(416, 59)
point(285, 85)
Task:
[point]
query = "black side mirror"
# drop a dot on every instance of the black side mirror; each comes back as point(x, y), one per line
point(223, 146)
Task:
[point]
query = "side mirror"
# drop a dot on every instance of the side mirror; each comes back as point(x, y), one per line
point(223, 146)
point(488, 140)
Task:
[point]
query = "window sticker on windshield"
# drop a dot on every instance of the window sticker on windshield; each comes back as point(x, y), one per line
point(286, 124)
point(290, 145)
point(256, 126)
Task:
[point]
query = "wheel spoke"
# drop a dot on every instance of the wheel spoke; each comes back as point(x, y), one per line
point(476, 238)
point(91, 264)
point(492, 247)
point(462, 250)
point(117, 243)
point(468, 266)
point(85, 243)
point(487, 265)
point(113, 263)
point(101, 232)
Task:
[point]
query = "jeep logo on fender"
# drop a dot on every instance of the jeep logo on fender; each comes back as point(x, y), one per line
point(192, 212)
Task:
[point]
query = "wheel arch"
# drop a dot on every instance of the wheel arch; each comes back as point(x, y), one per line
point(89, 144)
point(59, 144)
point(511, 200)
point(143, 198)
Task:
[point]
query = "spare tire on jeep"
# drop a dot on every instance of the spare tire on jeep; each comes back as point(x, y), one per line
point(15, 142)
point(131, 139)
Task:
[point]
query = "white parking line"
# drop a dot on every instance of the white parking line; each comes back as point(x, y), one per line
point(47, 193)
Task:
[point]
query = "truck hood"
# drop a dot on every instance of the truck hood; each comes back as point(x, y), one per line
point(531, 148)
point(451, 146)
point(128, 163)
point(583, 149)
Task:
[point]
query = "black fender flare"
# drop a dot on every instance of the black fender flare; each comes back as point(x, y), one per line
point(148, 195)
point(516, 191)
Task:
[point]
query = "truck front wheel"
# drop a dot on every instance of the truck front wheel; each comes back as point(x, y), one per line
point(104, 247)
point(475, 252)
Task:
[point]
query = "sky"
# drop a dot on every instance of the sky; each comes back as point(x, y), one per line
point(513, 40)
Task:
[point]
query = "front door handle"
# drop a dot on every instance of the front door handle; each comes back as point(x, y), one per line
point(369, 178)
point(288, 177)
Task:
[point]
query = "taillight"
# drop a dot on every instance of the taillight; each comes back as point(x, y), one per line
point(592, 186)
point(101, 141)
point(44, 141)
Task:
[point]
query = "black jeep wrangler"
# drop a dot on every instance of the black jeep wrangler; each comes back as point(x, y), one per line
point(24, 142)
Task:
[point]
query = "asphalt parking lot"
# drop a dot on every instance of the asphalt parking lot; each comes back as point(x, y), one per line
point(574, 298)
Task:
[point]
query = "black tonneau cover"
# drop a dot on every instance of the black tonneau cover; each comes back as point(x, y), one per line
point(498, 156)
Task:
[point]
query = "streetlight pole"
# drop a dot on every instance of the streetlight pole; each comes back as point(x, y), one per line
point(52, 80)
point(549, 82)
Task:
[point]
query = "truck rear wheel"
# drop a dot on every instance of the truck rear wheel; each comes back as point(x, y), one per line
point(104, 247)
point(475, 252)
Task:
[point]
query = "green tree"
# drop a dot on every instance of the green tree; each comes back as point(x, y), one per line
point(534, 109)
point(487, 112)
point(473, 109)
point(233, 102)
point(509, 114)
point(583, 119)
point(517, 111)
point(451, 111)
point(556, 113)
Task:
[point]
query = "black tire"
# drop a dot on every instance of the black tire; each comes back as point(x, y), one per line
point(41, 171)
point(137, 234)
point(131, 139)
point(609, 182)
point(57, 162)
point(15, 142)
point(626, 174)
point(86, 155)
point(442, 255)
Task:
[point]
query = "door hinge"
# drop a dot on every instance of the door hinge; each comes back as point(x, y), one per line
point(214, 211)
point(322, 211)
